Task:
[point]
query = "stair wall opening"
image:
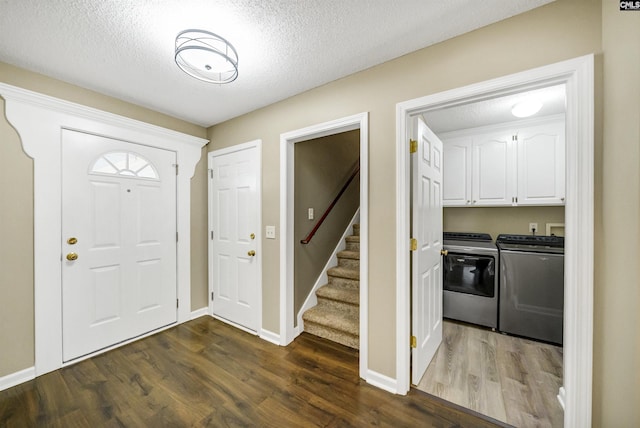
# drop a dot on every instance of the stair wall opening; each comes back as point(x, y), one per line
point(322, 166)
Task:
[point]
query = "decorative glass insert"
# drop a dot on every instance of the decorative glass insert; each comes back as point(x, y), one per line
point(127, 164)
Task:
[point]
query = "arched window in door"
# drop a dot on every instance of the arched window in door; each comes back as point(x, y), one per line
point(125, 164)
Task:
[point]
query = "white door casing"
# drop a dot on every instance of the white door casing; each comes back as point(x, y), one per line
point(426, 283)
point(578, 76)
point(39, 120)
point(288, 331)
point(235, 235)
point(119, 221)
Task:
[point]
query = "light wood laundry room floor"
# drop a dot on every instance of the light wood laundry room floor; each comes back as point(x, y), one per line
point(511, 379)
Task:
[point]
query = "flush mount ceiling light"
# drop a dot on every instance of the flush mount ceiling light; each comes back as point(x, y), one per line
point(206, 56)
point(526, 108)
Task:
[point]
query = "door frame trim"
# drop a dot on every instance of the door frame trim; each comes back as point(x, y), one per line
point(255, 144)
point(578, 75)
point(287, 142)
point(42, 142)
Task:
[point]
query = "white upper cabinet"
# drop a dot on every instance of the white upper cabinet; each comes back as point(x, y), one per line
point(521, 163)
point(493, 170)
point(456, 179)
point(541, 164)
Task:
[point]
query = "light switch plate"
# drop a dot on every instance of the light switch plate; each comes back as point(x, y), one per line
point(270, 232)
point(311, 213)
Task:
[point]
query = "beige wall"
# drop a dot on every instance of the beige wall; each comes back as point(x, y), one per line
point(16, 252)
point(322, 166)
point(561, 30)
point(617, 279)
point(16, 221)
point(496, 220)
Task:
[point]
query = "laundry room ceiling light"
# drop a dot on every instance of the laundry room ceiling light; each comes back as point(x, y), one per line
point(526, 108)
point(206, 56)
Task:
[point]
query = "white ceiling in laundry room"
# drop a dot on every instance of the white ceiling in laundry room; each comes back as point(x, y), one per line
point(495, 110)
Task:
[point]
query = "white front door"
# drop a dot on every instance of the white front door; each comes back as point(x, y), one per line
point(426, 281)
point(118, 241)
point(235, 229)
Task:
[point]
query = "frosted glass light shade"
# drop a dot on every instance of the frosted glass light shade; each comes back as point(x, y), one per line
point(206, 56)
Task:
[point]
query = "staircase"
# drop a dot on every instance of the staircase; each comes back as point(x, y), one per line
point(337, 315)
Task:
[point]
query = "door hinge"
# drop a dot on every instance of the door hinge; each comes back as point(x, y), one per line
point(176, 165)
point(211, 173)
point(212, 235)
point(212, 296)
point(414, 342)
point(176, 236)
point(414, 244)
point(413, 146)
point(177, 303)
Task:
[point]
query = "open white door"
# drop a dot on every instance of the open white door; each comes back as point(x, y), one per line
point(426, 280)
point(234, 204)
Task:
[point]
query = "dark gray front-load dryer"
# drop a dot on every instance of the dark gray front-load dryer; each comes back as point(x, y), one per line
point(532, 286)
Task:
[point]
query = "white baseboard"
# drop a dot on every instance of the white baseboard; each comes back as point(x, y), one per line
point(17, 378)
point(270, 336)
point(381, 381)
point(311, 299)
point(562, 396)
point(199, 313)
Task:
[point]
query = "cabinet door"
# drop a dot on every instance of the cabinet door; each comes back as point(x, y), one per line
point(456, 183)
point(494, 178)
point(541, 164)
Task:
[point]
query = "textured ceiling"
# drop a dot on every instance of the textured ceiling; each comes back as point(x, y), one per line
point(495, 110)
point(125, 48)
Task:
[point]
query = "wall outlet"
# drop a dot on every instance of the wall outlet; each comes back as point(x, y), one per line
point(533, 227)
point(270, 232)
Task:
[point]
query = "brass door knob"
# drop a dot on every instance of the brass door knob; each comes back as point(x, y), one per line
point(444, 252)
point(251, 253)
point(252, 236)
point(72, 256)
point(72, 241)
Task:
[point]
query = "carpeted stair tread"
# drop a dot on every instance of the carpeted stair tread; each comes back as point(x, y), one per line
point(348, 254)
point(343, 272)
point(333, 319)
point(356, 229)
point(353, 238)
point(340, 294)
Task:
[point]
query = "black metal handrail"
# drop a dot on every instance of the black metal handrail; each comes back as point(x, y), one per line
point(335, 200)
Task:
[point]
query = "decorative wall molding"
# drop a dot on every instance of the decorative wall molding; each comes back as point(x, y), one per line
point(199, 313)
point(381, 381)
point(39, 120)
point(270, 336)
point(17, 378)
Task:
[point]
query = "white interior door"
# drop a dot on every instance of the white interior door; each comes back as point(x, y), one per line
point(118, 241)
point(426, 294)
point(235, 228)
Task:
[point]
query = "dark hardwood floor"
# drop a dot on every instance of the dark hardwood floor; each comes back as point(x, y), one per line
point(206, 373)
